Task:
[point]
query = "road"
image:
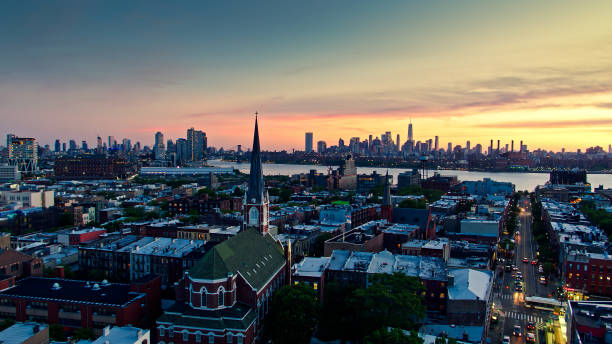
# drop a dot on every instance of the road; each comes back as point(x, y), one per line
point(510, 301)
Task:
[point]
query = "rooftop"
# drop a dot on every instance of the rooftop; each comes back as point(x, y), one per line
point(469, 284)
point(311, 266)
point(121, 335)
point(20, 332)
point(73, 291)
point(429, 268)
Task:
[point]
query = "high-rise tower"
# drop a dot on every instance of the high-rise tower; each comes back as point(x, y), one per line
point(255, 211)
point(410, 138)
point(308, 143)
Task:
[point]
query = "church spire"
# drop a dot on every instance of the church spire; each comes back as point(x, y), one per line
point(255, 192)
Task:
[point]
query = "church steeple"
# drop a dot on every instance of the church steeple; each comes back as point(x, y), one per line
point(256, 181)
point(255, 210)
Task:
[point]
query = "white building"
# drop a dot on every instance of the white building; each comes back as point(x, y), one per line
point(29, 199)
point(124, 335)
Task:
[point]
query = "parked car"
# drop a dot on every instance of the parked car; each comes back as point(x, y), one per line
point(534, 262)
point(506, 340)
point(530, 326)
point(530, 338)
point(525, 260)
point(543, 280)
point(516, 331)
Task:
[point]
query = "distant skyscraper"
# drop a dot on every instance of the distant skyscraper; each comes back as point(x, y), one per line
point(341, 143)
point(512, 144)
point(397, 142)
point(196, 145)
point(436, 147)
point(72, 145)
point(609, 148)
point(467, 145)
point(159, 149)
point(22, 152)
point(58, 146)
point(321, 147)
point(63, 146)
point(450, 147)
point(181, 150)
point(84, 145)
point(99, 144)
point(111, 142)
point(410, 138)
point(308, 143)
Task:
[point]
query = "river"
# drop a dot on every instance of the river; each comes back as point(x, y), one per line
point(522, 180)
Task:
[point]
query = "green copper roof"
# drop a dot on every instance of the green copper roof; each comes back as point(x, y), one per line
point(255, 256)
point(238, 317)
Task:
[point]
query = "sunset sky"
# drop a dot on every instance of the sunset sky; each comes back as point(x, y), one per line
point(538, 71)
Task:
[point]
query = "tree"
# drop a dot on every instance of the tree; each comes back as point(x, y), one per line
point(392, 300)
point(318, 247)
point(6, 323)
point(84, 333)
point(338, 315)
point(56, 332)
point(394, 336)
point(295, 312)
point(415, 204)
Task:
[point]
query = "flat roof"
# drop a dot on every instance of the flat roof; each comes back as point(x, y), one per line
point(121, 335)
point(20, 332)
point(72, 291)
point(311, 266)
point(167, 247)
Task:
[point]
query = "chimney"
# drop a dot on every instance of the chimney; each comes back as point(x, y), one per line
point(59, 271)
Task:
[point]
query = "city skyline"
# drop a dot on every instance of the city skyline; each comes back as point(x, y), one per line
point(472, 71)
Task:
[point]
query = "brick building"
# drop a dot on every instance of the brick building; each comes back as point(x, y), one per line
point(19, 265)
point(75, 304)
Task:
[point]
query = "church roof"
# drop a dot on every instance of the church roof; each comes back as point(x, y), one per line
point(255, 256)
point(256, 182)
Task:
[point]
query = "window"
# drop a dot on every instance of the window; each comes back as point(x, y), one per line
point(14, 267)
point(239, 340)
point(315, 286)
point(185, 336)
point(198, 338)
point(570, 275)
point(161, 331)
point(211, 338)
point(171, 332)
point(230, 338)
point(220, 298)
point(442, 295)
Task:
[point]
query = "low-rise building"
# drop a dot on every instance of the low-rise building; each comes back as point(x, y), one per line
point(25, 333)
point(123, 335)
point(19, 265)
point(76, 304)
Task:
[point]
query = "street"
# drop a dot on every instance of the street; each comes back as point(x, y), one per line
point(511, 302)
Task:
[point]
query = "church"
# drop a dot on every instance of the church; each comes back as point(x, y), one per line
point(228, 292)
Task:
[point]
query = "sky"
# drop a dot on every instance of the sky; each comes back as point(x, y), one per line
point(537, 71)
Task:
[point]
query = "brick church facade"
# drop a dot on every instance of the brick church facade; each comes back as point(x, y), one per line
point(228, 292)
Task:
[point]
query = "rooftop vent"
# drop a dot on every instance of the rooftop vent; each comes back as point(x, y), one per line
point(56, 286)
point(96, 286)
point(105, 283)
